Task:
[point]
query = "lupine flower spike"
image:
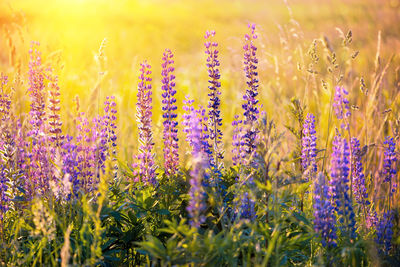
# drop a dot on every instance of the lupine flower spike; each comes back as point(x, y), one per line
point(309, 147)
point(251, 106)
point(389, 166)
point(214, 103)
point(384, 232)
point(324, 216)
point(40, 169)
point(110, 122)
point(147, 168)
point(170, 131)
point(341, 106)
point(339, 188)
point(55, 122)
point(201, 113)
point(197, 205)
point(238, 153)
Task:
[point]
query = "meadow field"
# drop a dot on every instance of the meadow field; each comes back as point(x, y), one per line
point(199, 133)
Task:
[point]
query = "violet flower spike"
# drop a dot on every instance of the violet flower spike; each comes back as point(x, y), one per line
point(384, 232)
point(389, 164)
point(55, 122)
point(247, 206)
point(359, 189)
point(36, 89)
point(204, 134)
point(99, 145)
point(69, 155)
point(170, 131)
point(197, 205)
point(147, 168)
point(339, 186)
point(214, 103)
point(39, 163)
point(110, 123)
point(238, 152)
point(324, 216)
point(309, 147)
point(341, 106)
point(251, 105)
point(86, 155)
point(4, 199)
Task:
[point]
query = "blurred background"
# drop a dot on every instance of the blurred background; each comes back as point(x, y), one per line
point(299, 40)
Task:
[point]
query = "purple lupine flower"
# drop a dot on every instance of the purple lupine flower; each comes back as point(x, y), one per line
point(40, 168)
point(70, 164)
point(339, 188)
point(389, 164)
point(251, 112)
point(188, 108)
point(246, 209)
point(36, 89)
point(238, 152)
point(201, 114)
point(4, 199)
point(99, 145)
point(86, 155)
point(197, 205)
point(170, 132)
point(205, 134)
point(309, 146)
point(372, 218)
point(214, 103)
point(54, 121)
point(341, 106)
point(251, 106)
point(147, 168)
point(359, 189)
point(384, 232)
point(324, 216)
point(22, 156)
point(110, 122)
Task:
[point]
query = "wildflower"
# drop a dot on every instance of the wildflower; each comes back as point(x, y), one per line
point(109, 121)
point(250, 107)
point(339, 188)
point(55, 122)
point(100, 145)
point(197, 205)
point(341, 106)
point(4, 199)
point(324, 217)
point(214, 103)
point(36, 89)
point(247, 206)
point(359, 189)
point(147, 168)
point(309, 150)
point(238, 152)
point(40, 167)
point(170, 132)
point(389, 164)
point(204, 134)
point(86, 155)
point(384, 232)
point(69, 156)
